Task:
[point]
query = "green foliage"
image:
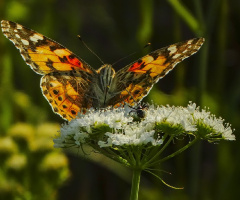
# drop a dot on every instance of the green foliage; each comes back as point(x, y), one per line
point(30, 167)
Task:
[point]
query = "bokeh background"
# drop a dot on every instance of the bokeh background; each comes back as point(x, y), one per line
point(29, 166)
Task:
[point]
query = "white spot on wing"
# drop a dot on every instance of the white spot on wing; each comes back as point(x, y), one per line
point(18, 36)
point(36, 37)
point(19, 26)
point(176, 55)
point(5, 29)
point(189, 41)
point(172, 49)
point(25, 42)
point(5, 24)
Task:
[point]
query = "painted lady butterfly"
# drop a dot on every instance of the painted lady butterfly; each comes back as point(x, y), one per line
point(70, 85)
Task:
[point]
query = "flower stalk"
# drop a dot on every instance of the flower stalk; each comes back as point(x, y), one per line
point(179, 151)
point(135, 184)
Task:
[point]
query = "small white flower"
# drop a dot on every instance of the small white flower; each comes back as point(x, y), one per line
point(134, 135)
point(116, 127)
point(108, 143)
point(209, 126)
point(227, 134)
point(172, 115)
point(191, 107)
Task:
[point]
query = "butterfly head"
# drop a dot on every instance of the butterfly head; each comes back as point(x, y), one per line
point(106, 70)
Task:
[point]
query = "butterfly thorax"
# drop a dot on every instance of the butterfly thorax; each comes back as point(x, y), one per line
point(103, 86)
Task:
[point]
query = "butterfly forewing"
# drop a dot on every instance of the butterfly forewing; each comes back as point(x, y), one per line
point(41, 53)
point(66, 75)
point(135, 80)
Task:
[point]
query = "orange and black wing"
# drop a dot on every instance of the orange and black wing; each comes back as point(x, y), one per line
point(68, 92)
point(134, 81)
point(66, 79)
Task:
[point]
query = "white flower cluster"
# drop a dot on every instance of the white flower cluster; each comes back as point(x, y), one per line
point(210, 125)
point(172, 115)
point(118, 127)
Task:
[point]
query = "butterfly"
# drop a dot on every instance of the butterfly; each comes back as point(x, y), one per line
point(71, 85)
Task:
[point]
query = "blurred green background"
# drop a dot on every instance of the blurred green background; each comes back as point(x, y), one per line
point(31, 169)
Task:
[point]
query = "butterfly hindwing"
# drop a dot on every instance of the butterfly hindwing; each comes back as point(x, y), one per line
point(68, 94)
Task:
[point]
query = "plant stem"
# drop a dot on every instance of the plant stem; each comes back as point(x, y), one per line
point(135, 184)
point(180, 150)
point(156, 154)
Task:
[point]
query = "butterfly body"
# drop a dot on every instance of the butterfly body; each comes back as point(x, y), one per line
point(104, 90)
point(71, 85)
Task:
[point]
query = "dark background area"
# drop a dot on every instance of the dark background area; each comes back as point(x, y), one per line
point(115, 29)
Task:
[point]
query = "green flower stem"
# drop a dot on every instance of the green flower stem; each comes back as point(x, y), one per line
point(152, 158)
point(131, 156)
point(180, 150)
point(115, 154)
point(138, 154)
point(152, 151)
point(165, 145)
point(135, 184)
point(124, 155)
point(121, 159)
point(111, 154)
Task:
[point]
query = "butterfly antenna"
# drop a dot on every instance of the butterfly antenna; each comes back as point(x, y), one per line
point(80, 38)
point(148, 44)
point(124, 58)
